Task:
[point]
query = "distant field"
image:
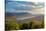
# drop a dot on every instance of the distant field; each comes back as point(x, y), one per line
point(31, 23)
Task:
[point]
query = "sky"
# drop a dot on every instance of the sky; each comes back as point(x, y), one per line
point(29, 0)
point(17, 6)
point(22, 6)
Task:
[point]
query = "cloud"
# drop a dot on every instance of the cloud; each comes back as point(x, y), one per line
point(17, 6)
point(23, 6)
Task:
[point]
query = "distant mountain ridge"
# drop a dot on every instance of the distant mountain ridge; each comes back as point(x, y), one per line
point(13, 14)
